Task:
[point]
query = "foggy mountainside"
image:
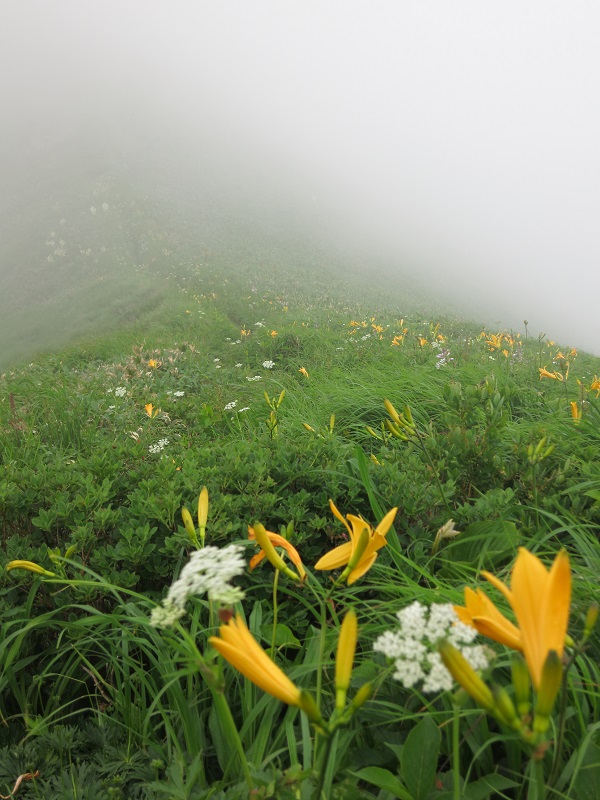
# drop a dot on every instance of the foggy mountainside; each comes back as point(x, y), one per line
point(299, 400)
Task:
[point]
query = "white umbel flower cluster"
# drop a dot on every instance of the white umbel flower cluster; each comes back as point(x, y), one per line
point(413, 647)
point(209, 571)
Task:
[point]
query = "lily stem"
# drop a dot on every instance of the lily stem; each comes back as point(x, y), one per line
point(456, 754)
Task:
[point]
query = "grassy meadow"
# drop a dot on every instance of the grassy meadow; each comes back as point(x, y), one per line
point(281, 386)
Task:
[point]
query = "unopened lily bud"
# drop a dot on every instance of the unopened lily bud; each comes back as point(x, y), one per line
point(188, 523)
point(391, 411)
point(360, 698)
point(272, 555)
point(550, 682)
point(309, 706)
point(505, 708)
point(591, 618)
point(361, 546)
point(373, 433)
point(203, 508)
point(30, 566)
point(345, 658)
point(308, 427)
point(521, 683)
point(464, 674)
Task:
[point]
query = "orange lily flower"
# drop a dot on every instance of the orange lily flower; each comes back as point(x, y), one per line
point(556, 376)
point(277, 541)
point(479, 612)
point(359, 554)
point(540, 599)
point(237, 646)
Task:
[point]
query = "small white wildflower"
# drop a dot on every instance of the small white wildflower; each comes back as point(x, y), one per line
point(216, 360)
point(413, 647)
point(209, 571)
point(245, 408)
point(159, 446)
point(255, 378)
point(259, 324)
point(239, 365)
point(178, 394)
point(92, 209)
point(268, 364)
point(105, 206)
point(165, 615)
point(230, 406)
point(120, 391)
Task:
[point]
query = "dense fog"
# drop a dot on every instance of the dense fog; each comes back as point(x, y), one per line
point(456, 142)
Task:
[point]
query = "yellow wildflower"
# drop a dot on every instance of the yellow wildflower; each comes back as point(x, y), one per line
point(304, 372)
point(556, 376)
point(360, 552)
point(541, 600)
point(237, 646)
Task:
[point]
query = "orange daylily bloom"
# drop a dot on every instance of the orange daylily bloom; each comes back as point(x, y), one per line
point(556, 376)
point(277, 541)
point(237, 646)
point(151, 411)
point(346, 553)
point(541, 600)
point(479, 612)
point(303, 371)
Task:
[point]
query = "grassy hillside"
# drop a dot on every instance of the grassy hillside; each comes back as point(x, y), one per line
point(261, 373)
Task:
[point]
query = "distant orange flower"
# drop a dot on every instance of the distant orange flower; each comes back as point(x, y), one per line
point(304, 372)
point(273, 334)
point(153, 363)
point(151, 411)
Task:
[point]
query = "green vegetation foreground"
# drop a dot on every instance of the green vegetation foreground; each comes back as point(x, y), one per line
point(387, 588)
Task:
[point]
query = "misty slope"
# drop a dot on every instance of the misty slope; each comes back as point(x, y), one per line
point(73, 250)
point(100, 248)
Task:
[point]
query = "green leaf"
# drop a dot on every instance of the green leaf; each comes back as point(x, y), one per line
point(486, 786)
point(419, 758)
point(283, 635)
point(384, 779)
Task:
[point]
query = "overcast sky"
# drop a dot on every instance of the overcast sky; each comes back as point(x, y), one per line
point(459, 138)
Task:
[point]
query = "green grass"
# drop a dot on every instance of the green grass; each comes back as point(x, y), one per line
point(102, 704)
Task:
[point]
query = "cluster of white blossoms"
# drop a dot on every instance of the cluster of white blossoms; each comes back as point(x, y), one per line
point(413, 647)
point(209, 571)
point(120, 391)
point(268, 364)
point(159, 446)
point(230, 406)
